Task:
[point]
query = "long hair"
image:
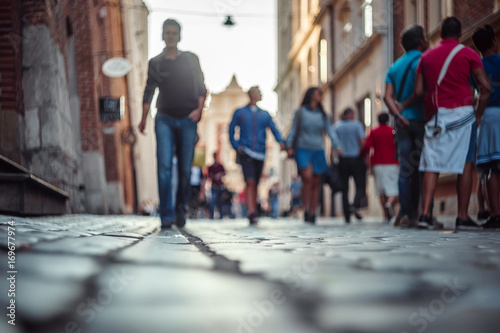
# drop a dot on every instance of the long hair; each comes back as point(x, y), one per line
point(307, 99)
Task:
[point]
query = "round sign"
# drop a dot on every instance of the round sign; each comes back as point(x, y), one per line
point(116, 67)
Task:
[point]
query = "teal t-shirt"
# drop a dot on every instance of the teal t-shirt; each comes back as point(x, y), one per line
point(395, 77)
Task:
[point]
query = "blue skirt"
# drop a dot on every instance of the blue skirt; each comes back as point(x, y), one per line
point(488, 140)
point(316, 158)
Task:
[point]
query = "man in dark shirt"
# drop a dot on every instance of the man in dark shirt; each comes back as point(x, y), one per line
point(181, 97)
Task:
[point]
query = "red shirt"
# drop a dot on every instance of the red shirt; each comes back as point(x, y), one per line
point(454, 90)
point(381, 139)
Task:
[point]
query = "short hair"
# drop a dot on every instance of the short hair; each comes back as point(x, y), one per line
point(411, 36)
point(252, 89)
point(383, 118)
point(173, 22)
point(483, 38)
point(347, 112)
point(451, 27)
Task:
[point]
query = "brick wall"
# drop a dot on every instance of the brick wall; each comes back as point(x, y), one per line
point(469, 12)
point(84, 17)
point(11, 91)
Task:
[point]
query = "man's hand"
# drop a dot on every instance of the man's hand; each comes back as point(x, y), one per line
point(195, 115)
point(402, 121)
point(282, 146)
point(290, 152)
point(340, 152)
point(142, 126)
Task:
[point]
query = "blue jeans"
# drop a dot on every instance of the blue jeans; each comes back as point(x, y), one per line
point(216, 202)
point(174, 136)
point(410, 140)
point(275, 206)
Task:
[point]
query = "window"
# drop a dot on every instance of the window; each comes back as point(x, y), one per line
point(310, 69)
point(439, 9)
point(365, 111)
point(323, 60)
point(346, 26)
point(367, 103)
point(367, 18)
point(414, 12)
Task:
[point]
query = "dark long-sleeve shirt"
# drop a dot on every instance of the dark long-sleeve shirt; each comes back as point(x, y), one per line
point(180, 82)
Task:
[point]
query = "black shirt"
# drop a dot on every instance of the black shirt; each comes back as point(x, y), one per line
point(175, 78)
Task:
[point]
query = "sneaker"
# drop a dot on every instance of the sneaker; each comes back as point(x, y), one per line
point(311, 219)
point(180, 221)
point(252, 218)
point(356, 214)
point(426, 222)
point(483, 215)
point(389, 212)
point(397, 221)
point(404, 222)
point(468, 224)
point(166, 224)
point(307, 216)
point(493, 222)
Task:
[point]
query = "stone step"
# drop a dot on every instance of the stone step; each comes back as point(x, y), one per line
point(22, 193)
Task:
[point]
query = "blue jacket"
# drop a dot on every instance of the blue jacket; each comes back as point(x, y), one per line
point(253, 127)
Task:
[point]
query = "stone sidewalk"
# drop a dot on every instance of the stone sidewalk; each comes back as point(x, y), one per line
point(96, 274)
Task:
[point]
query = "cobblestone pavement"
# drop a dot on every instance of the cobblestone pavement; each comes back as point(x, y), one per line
point(94, 274)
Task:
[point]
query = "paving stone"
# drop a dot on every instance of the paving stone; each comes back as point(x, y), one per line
point(55, 267)
point(40, 299)
point(156, 252)
point(95, 245)
point(190, 301)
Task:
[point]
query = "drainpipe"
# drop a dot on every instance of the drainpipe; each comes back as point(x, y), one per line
point(332, 43)
point(332, 86)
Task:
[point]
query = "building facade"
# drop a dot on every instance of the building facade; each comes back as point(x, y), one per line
point(52, 87)
point(346, 48)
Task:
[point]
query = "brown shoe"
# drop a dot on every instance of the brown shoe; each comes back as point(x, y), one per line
point(405, 222)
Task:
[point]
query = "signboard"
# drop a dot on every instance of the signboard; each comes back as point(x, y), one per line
point(116, 67)
point(111, 109)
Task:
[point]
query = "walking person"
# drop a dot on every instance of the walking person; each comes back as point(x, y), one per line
point(488, 142)
point(274, 201)
point(253, 123)
point(182, 92)
point(305, 142)
point(383, 164)
point(215, 173)
point(449, 143)
point(296, 196)
point(408, 111)
point(352, 135)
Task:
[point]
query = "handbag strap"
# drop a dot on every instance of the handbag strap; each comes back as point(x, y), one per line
point(447, 62)
point(405, 76)
point(298, 126)
point(443, 72)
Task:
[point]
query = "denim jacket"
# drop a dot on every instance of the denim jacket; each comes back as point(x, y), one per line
point(252, 125)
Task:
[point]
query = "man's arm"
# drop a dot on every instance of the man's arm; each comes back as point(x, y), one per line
point(145, 111)
point(484, 89)
point(195, 115)
point(232, 126)
point(419, 86)
point(276, 133)
point(395, 108)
